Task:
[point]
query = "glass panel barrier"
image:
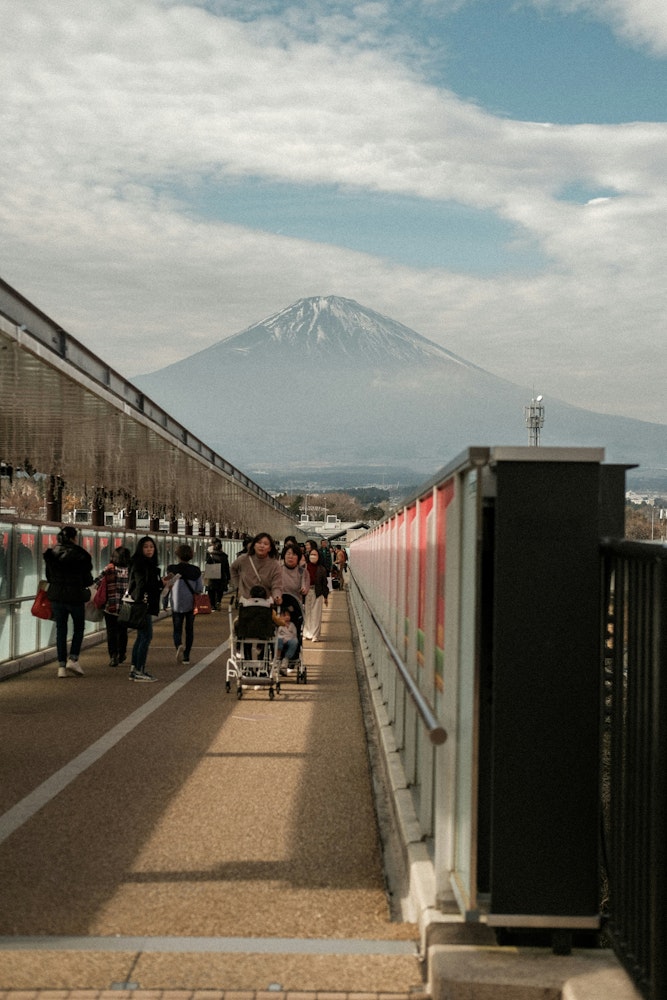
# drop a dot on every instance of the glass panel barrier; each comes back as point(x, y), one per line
point(5, 591)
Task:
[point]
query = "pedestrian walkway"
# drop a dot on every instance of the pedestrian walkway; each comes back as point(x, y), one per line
point(170, 837)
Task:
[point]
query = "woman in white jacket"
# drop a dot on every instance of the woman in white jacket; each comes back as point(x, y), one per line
point(317, 596)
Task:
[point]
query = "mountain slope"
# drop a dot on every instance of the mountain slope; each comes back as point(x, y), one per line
point(329, 381)
point(332, 328)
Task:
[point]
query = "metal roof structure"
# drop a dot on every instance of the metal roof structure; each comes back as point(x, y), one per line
point(68, 414)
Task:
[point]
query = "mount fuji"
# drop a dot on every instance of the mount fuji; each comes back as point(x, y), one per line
point(328, 383)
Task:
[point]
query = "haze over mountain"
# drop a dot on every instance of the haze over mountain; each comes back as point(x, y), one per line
point(328, 382)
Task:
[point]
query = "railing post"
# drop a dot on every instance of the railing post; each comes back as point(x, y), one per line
point(658, 810)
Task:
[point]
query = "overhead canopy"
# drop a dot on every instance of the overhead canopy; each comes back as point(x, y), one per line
point(65, 413)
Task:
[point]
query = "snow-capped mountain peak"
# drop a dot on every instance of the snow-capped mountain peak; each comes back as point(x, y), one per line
point(335, 326)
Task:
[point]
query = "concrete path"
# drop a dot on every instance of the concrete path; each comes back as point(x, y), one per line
point(170, 837)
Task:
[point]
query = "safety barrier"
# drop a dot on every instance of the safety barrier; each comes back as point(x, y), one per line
point(478, 602)
point(22, 544)
point(635, 758)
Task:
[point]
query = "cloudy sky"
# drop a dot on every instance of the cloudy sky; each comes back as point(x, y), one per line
point(492, 173)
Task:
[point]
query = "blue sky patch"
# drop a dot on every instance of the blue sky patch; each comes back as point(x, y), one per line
point(408, 230)
point(544, 66)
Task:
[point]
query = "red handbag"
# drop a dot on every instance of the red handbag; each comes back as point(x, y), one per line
point(41, 606)
point(100, 598)
point(202, 605)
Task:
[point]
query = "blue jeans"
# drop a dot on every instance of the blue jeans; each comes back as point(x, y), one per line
point(141, 644)
point(61, 614)
point(179, 618)
point(288, 648)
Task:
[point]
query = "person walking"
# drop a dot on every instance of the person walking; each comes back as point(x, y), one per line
point(326, 557)
point(259, 565)
point(187, 581)
point(317, 596)
point(69, 572)
point(341, 563)
point(144, 584)
point(216, 573)
point(115, 579)
point(295, 584)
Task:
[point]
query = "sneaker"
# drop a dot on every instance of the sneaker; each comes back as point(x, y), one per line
point(122, 659)
point(179, 654)
point(113, 662)
point(75, 667)
point(186, 663)
point(142, 675)
point(62, 670)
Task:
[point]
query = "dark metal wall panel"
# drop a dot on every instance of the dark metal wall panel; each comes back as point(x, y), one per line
point(544, 712)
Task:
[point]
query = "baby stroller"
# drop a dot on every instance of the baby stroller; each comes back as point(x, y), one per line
point(251, 661)
point(293, 605)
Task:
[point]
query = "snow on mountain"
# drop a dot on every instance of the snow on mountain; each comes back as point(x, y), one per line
point(331, 327)
point(336, 326)
point(329, 381)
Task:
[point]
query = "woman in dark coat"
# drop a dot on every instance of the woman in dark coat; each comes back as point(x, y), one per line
point(69, 573)
point(144, 584)
point(216, 585)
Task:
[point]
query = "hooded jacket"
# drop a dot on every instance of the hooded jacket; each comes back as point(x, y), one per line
point(182, 595)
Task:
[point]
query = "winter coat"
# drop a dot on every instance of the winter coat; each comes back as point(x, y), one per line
point(295, 580)
point(320, 581)
point(269, 574)
point(182, 596)
point(217, 556)
point(116, 578)
point(144, 581)
point(69, 571)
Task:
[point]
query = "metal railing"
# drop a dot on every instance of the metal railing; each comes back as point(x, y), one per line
point(436, 732)
point(634, 758)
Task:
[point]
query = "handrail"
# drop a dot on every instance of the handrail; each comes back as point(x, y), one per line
point(436, 733)
point(643, 551)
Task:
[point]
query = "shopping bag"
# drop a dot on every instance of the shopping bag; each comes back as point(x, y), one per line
point(213, 571)
point(202, 605)
point(41, 606)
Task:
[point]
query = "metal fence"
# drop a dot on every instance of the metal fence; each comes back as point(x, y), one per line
point(634, 617)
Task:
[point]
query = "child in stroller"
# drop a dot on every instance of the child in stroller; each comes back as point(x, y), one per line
point(292, 611)
point(251, 661)
point(287, 639)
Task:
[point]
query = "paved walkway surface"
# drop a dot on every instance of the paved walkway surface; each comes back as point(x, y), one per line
point(170, 839)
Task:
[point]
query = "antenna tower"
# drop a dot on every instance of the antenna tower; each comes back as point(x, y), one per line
point(534, 416)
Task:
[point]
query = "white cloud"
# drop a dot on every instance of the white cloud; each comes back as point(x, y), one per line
point(104, 106)
point(641, 22)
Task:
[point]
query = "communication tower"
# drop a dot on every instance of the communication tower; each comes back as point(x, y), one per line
point(534, 415)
